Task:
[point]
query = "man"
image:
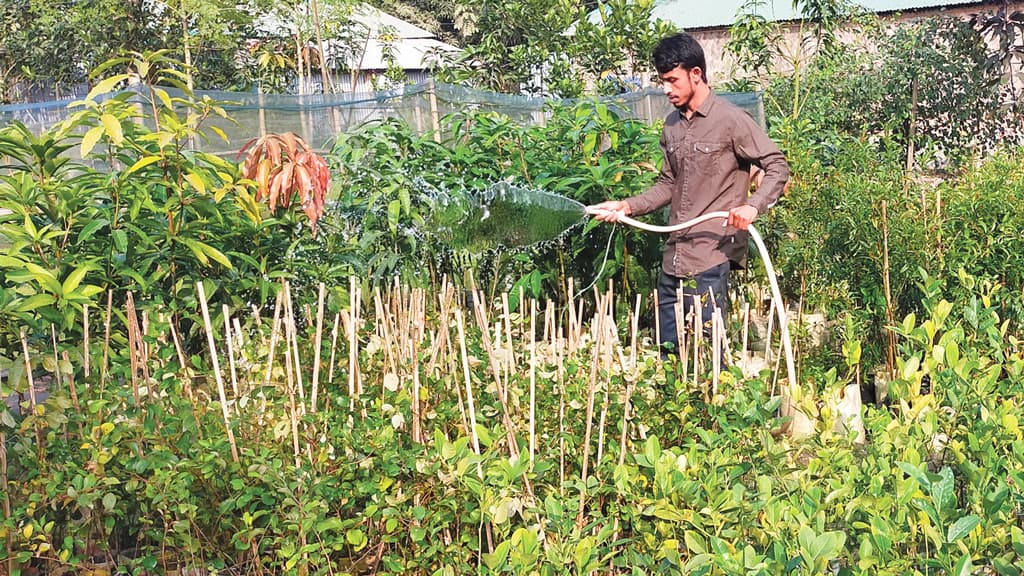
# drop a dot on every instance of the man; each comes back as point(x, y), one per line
point(709, 147)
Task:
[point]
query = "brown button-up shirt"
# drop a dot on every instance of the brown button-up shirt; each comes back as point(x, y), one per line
point(706, 168)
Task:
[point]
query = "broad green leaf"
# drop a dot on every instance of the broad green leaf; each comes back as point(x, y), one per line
point(37, 301)
point(89, 229)
point(105, 85)
point(44, 277)
point(964, 566)
point(113, 129)
point(74, 279)
point(90, 139)
point(142, 163)
point(120, 240)
point(165, 99)
point(196, 181)
point(962, 527)
point(356, 538)
point(652, 449)
point(694, 542)
point(219, 133)
point(216, 255)
point(915, 473)
point(197, 249)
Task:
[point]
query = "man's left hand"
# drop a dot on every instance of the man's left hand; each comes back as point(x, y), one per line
point(741, 216)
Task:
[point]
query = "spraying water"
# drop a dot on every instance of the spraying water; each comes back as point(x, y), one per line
point(503, 216)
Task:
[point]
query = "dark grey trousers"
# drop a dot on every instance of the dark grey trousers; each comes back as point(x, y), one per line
point(713, 280)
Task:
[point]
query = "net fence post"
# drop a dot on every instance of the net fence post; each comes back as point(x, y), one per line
point(435, 117)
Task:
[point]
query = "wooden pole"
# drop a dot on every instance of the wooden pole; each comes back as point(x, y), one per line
point(85, 343)
point(226, 313)
point(533, 379)
point(40, 450)
point(216, 370)
point(106, 338)
point(7, 499)
point(435, 115)
point(275, 326)
point(317, 342)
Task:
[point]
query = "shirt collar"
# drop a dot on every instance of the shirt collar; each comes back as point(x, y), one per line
point(705, 107)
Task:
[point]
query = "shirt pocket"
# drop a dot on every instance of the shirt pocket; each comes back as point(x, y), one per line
point(712, 158)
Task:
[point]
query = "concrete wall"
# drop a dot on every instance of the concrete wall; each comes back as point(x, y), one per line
point(721, 66)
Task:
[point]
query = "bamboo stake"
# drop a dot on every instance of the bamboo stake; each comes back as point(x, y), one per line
point(216, 371)
point(698, 333)
point(292, 342)
point(560, 370)
point(293, 415)
point(56, 358)
point(634, 328)
point(680, 325)
point(355, 383)
point(471, 408)
point(334, 349)
point(496, 370)
point(382, 321)
point(768, 334)
point(600, 432)
point(40, 450)
point(533, 379)
point(716, 350)
point(571, 307)
point(275, 326)
point(231, 350)
point(181, 357)
point(74, 393)
point(316, 344)
point(746, 330)
point(106, 338)
point(591, 388)
point(134, 345)
point(85, 343)
point(7, 500)
point(657, 323)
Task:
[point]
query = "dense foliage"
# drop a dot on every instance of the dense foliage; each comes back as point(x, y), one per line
point(196, 410)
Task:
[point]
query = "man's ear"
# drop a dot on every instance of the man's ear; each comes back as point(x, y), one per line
point(696, 74)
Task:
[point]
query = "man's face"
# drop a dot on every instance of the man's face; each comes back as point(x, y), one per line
point(679, 84)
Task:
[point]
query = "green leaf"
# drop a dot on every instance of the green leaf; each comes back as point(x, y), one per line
point(37, 301)
point(90, 139)
point(962, 527)
point(74, 279)
point(196, 181)
point(216, 255)
point(652, 449)
point(89, 229)
point(105, 85)
point(356, 538)
point(915, 473)
point(165, 99)
point(45, 278)
point(113, 129)
point(964, 566)
point(142, 163)
point(120, 241)
point(197, 249)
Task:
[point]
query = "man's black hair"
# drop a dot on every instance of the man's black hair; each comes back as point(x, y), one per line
point(679, 50)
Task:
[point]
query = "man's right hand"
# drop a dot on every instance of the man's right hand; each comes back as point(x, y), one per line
point(610, 211)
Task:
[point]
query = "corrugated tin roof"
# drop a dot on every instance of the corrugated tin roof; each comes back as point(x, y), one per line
point(692, 14)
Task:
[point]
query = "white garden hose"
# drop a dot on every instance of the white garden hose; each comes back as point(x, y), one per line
point(776, 295)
